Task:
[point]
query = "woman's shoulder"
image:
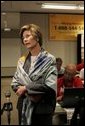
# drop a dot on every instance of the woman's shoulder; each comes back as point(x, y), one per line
point(22, 58)
point(49, 55)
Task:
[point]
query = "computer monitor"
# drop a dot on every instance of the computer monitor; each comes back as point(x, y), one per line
point(71, 97)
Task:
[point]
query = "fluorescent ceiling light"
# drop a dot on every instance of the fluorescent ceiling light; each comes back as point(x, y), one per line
point(61, 6)
point(7, 29)
point(81, 7)
point(3, 13)
point(2, 1)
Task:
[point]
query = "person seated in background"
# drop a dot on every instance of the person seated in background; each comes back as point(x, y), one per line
point(80, 65)
point(68, 80)
point(59, 66)
point(82, 75)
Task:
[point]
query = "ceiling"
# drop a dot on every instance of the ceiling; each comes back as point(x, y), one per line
point(35, 6)
point(10, 10)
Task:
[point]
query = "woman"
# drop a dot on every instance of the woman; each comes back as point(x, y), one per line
point(35, 80)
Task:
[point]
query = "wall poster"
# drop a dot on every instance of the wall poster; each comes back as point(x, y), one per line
point(65, 26)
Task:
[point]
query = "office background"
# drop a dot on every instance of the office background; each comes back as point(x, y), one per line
point(15, 14)
point(12, 48)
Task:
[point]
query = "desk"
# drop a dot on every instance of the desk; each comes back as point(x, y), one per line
point(60, 116)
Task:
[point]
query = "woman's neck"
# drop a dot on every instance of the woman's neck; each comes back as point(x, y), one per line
point(36, 50)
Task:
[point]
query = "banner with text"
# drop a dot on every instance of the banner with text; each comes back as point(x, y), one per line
point(65, 26)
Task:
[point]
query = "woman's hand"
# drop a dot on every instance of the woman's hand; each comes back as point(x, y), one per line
point(21, 90)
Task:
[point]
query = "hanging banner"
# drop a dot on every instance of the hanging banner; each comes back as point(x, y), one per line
point(65, 26)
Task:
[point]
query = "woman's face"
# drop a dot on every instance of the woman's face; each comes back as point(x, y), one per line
point(28, 40)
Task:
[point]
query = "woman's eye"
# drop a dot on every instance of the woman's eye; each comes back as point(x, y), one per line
point(26, 36)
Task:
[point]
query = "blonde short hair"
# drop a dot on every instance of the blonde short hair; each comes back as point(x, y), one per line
point(35, 31)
